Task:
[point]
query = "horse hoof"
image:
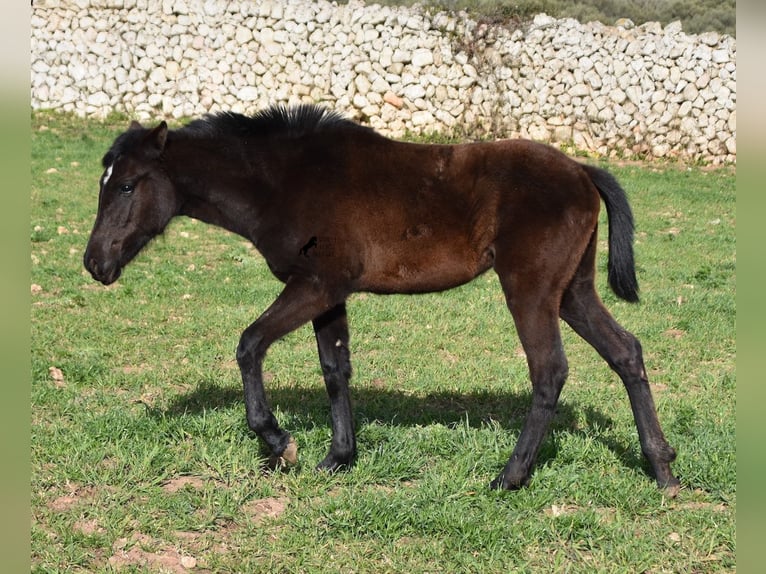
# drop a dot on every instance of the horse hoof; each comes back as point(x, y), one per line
point(289, 456)
point(499, 484)
point(331, 466)
point(671, 488)
point(503, 483)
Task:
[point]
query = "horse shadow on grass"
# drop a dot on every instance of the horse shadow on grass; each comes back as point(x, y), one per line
point(309, 407)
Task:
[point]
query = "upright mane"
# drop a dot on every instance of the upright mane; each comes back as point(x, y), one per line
point(291, 122)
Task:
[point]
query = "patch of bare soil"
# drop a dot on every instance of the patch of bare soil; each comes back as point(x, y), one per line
point(182, 554)
point(179, 483)
point(264, 508)
point(141, 550)
point(89, 527)
point(75, 494)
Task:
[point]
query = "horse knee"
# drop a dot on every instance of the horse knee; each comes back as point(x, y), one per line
point(336, 376)
point(251, 347)
point(336, 364)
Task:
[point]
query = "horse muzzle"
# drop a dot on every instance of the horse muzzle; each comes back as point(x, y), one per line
point(106, 272)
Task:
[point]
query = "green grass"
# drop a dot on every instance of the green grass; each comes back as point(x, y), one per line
point(142, 460)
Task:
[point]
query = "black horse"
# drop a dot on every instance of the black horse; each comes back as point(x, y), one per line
point(335, 208)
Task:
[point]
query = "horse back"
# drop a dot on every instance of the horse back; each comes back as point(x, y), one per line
point(397, 217)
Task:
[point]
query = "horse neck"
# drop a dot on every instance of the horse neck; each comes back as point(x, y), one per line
point(220, 184)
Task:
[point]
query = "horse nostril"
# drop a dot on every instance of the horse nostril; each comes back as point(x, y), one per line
point(92, 265)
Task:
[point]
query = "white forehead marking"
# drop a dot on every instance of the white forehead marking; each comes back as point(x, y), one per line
point(108, 174)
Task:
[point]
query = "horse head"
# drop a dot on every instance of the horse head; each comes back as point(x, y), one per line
point(136, 201)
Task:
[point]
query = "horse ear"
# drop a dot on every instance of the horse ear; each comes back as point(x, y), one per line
point(158, 136)
point(134, 125)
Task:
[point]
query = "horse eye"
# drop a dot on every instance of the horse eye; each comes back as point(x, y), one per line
point(127, 188)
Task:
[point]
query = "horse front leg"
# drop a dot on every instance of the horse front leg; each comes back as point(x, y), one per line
point(331, 330)
point(298, 303)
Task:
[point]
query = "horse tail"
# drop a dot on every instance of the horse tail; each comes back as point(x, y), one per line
point(621, 265)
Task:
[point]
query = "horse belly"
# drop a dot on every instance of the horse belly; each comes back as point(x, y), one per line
point(421, 267)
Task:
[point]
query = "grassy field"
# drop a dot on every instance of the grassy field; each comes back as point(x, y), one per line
point(142, 460)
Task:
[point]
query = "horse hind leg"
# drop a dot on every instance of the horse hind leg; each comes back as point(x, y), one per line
point(535, 313)
point(582, 309)
point(548, 371)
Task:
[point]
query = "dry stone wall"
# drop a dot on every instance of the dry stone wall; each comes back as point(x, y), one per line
point(619, 90)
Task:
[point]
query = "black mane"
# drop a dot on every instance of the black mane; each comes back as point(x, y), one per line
point(291, 122)
point(275, 121)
